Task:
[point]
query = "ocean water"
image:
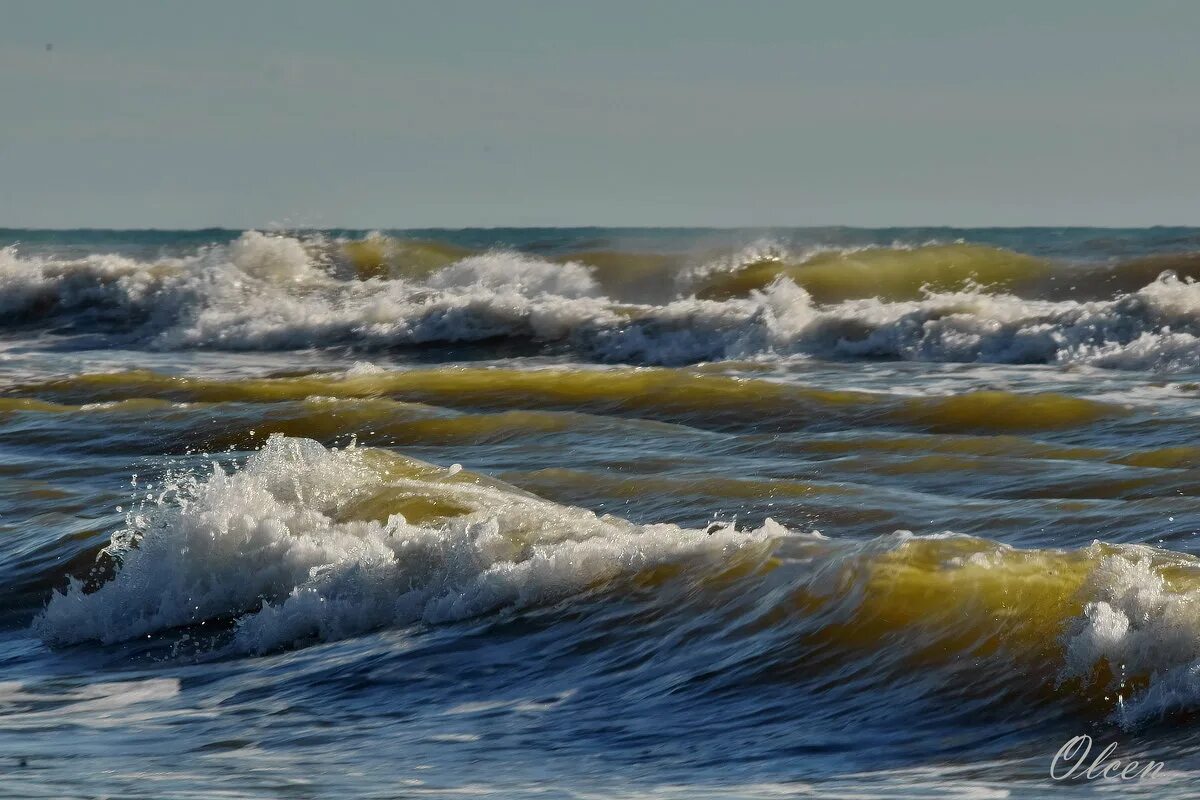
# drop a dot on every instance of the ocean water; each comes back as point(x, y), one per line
point(598, 513)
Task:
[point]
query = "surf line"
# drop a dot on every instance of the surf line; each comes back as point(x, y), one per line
point(1073, 757)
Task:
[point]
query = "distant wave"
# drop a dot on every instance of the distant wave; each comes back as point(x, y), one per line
point(938, 302)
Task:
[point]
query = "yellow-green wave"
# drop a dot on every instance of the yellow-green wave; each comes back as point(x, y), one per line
point(885, 273)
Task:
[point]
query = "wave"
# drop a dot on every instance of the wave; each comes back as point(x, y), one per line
point(709, 401)
point(1129, 276)
point(896, 273)
point(305, 544)
point(378, 256)
point(1106, 630)
point(265, 292)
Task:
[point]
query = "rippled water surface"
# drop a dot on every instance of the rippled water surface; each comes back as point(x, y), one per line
point(597, 513)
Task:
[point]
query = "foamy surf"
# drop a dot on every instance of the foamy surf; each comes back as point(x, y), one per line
point(935, 303)
point(238, 541)
point(305, 542)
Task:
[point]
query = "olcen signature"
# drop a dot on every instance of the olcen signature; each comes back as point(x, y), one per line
point(1072, 762)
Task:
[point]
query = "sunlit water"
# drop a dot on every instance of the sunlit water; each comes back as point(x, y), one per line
point(597, 513)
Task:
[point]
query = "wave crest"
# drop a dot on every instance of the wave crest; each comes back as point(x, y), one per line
point(305, 542)
point(886, 273)
point(274, 292)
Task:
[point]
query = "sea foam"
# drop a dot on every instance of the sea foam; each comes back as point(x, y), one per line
point(305, 544)
point(273, 292)
point(279, 547)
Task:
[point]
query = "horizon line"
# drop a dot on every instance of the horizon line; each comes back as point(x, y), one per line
point(282, 228)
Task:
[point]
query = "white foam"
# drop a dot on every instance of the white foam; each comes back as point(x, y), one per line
point(514, 272)
point(267, 546)
point(269, 257)
point(1139, 625)
point(1154, 328)
point(107, 286)
point(267, 292)
point(277, 548)
point(690, 278)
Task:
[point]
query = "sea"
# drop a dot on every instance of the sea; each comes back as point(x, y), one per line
point(600, 513)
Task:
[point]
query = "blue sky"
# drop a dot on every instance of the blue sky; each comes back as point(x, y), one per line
point(391, 114)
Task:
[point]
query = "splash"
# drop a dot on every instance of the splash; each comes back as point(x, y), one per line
point(307, 543)
point(939, 303)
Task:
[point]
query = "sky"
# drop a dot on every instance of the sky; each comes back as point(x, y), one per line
point(460, 113)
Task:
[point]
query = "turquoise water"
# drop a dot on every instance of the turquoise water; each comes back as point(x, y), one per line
point(597, 513)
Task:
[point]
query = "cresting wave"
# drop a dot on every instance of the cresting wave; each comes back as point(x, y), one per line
point(305, 544)
point(955, 303)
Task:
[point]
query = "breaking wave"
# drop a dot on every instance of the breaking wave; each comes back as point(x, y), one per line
point(950, 303)
point(305, 544)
